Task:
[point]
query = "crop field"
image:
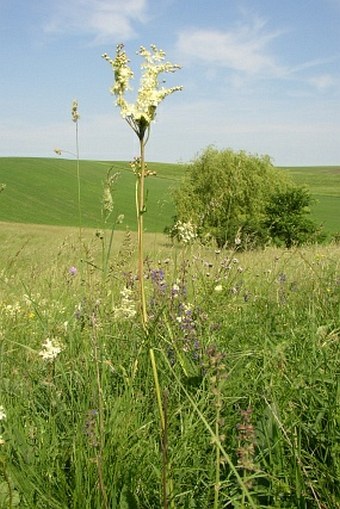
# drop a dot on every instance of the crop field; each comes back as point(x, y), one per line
point(229, 395)
point(44, 191)
point(324, 185)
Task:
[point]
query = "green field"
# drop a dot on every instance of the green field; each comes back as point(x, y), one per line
point(44, 191)
point(324, 185)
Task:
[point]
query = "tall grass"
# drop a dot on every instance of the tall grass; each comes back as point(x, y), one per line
point(231, 400)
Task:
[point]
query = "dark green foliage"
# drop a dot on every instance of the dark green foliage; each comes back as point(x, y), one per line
point(287, 217)
point(225, 192)
point(235, 197)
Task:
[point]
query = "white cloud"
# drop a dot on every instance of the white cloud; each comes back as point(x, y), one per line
point(322, 82)
point(103, 19)
point(244, 48)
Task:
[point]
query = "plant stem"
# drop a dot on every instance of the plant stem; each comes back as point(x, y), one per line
point(218, 452)
point(167, 481)
point(140, 214)
point(100, 455)
point(78, 180)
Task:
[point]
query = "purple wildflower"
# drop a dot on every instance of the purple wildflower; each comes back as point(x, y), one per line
point(73, 271)
point(157, 277)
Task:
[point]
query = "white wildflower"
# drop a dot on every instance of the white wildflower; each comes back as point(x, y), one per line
point(175, 289)
point(12, 310)
point(51, 348)
point(74, 111)
point(218, 288)
point(2, 441)
point(2, 413)
point(185, 232)
point(150, 93)
point(127, 309)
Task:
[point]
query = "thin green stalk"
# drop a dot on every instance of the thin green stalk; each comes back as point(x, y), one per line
point(100, 454)
point(75, 118)
point(167, 481)
point(140, 226)
point(218, 455)
point(78, 182)
point(106, 254)
point(157, 388)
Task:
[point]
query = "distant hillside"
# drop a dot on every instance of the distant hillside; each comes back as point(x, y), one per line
point(44, 191)
point(324, 185)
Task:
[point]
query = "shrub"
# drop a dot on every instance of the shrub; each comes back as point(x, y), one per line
point(239, 199)
point(287, 218)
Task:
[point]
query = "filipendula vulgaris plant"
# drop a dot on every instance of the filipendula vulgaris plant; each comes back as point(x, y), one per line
point(75, 119)
point(139, 116)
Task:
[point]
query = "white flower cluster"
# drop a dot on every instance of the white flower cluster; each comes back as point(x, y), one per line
point(51, 348)
point(11, 310)
point(185, 232)
point(74, 111)
point(186, 309)
point(2, 418)
point(150, 93)
point(2, 413)
point(127, 308)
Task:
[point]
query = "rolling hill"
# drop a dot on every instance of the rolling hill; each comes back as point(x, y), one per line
point(44, 191)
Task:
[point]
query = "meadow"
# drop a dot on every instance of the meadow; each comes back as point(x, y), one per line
point(229, 399)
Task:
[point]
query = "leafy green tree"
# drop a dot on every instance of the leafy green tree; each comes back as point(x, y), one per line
point(239, 198)
point(225, 194)
point(287, 218)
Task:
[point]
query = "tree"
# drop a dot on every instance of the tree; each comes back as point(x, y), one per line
point(287, 217)
point(224, 193)
point(239, 198)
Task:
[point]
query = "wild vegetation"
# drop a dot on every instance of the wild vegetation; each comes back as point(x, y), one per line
point(245, 366)
point(139, 373)
point(229, 195)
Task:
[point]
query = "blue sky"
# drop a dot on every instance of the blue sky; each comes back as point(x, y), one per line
point(258, 75)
